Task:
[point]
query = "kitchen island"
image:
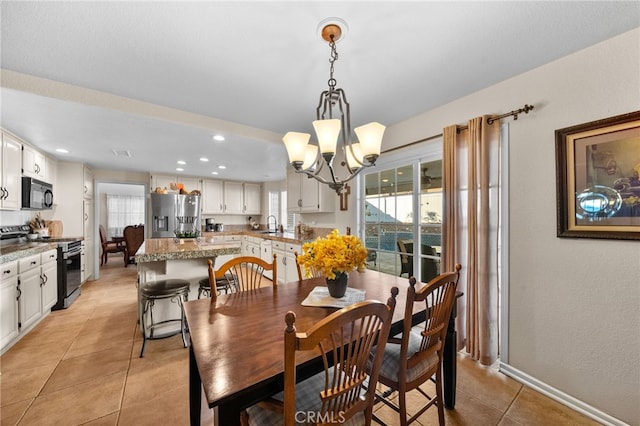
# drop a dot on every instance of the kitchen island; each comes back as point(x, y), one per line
point(186, 259)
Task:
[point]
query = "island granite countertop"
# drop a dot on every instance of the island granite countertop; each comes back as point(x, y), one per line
point(160, 249)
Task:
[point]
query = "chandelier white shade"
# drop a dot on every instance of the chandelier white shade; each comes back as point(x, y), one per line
point(309, 158)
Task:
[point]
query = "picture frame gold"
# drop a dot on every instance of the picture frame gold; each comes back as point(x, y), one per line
point(597, 169)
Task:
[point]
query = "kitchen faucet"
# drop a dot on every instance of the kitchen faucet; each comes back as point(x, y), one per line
point(275, 223)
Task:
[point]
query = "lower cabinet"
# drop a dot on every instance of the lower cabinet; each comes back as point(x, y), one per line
point(49, 280)
point(287, 270)
point(28, 290)
point(30, 293)
point(9, 303)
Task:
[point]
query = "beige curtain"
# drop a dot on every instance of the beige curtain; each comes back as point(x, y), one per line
point(471, 176)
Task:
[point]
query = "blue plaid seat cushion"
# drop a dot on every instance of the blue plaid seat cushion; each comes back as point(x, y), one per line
point(391, 361)
point(307, 401)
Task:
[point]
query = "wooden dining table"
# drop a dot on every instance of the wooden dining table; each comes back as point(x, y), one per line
point(236, 355)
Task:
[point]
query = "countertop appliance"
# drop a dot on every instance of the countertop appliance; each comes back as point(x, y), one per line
point(36, 194)
point(175, 216)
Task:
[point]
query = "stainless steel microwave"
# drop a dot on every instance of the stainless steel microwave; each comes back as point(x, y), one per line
point(36, 195)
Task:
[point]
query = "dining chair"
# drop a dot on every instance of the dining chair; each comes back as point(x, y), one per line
point(108, 246)
point(416, 356)
point(247, 273)
point(313, 272)
point(344, 392)
point(133, 239)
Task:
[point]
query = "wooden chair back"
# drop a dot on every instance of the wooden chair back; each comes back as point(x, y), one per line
point(247, 272)
point(439, 295)
point(309, 272)
point(133, 239)
point(345, 339)
point(103, 235)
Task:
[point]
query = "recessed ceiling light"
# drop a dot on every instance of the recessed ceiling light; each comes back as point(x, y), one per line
point(222, 167)
point(179, 169)
point(182, 162)
point(204, 159)
point(218, 138)
point(385, 180)
point(214, 173)
point(62, 151)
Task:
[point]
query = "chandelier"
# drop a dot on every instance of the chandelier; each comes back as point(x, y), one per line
point(333, 123)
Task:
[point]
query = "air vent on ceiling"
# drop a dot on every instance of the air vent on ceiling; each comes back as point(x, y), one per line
point(121, 153)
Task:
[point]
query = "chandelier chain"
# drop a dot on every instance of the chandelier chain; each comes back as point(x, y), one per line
point(332, 59)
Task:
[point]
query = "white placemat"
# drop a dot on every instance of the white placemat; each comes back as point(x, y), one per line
point(319, 296)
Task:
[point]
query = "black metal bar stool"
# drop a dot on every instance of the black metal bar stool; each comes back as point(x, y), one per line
point(174, 289)
point(228, 284)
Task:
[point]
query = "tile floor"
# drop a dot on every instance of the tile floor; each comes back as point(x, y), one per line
point(80, 366)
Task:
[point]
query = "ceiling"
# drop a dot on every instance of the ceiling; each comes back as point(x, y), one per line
point(157, 80)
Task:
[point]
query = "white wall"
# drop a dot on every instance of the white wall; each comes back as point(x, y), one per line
point(574, 304)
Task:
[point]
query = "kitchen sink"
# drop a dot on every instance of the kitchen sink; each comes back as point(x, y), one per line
point(267, 232)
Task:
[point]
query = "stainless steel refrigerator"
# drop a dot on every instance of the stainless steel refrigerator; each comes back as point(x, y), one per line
point(175, 215)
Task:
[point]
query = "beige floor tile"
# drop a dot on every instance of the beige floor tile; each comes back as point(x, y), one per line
point(78, 404)
point(80, 369)
point(10, 414)
point(28, 354)
point(468, 411)
point(149, 382)
point(475, 379)
point(167, 408)
point(24, 383)
point(108, 420)
point(533, 408)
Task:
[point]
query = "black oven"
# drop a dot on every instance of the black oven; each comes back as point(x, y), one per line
point(69, 273)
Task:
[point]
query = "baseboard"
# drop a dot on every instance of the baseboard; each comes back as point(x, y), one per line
point(561, 397)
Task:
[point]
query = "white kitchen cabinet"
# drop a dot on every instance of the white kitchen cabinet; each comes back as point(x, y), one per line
point(251, 246)
point(34, 163)
point(10, 172)
point(30, 294)
point(307, 195)
point(291, 273)
point(287, 270)
point(75, 211)
point(9, 303)
point(252, 198)
point(233, 198)
point(88, 182)
point(212, 196)
point(49, 280)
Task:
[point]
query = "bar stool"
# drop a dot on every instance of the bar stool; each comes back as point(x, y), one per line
point(228, 284)
point(173, 289)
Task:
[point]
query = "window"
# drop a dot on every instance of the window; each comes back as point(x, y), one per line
point(123, 210)
point(396, 215)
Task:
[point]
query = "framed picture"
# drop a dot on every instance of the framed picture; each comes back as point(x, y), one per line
point(598, 183)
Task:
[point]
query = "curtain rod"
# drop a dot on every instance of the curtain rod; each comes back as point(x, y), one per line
point(525, 109)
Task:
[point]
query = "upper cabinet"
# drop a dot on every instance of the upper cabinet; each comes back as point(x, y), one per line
point(233, 198)
point(34, 163)
point(10, 183)
point(252, 198)
point(225, 197)
point(88, 183)
point(307, 195)
point(212, 196)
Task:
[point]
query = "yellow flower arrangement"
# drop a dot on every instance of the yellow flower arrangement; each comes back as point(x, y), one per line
point(333, 255)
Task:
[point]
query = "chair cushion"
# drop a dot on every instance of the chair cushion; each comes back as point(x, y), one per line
point(307, 401)
point(391, 361)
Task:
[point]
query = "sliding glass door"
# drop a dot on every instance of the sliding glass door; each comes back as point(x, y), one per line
point(402, 218)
